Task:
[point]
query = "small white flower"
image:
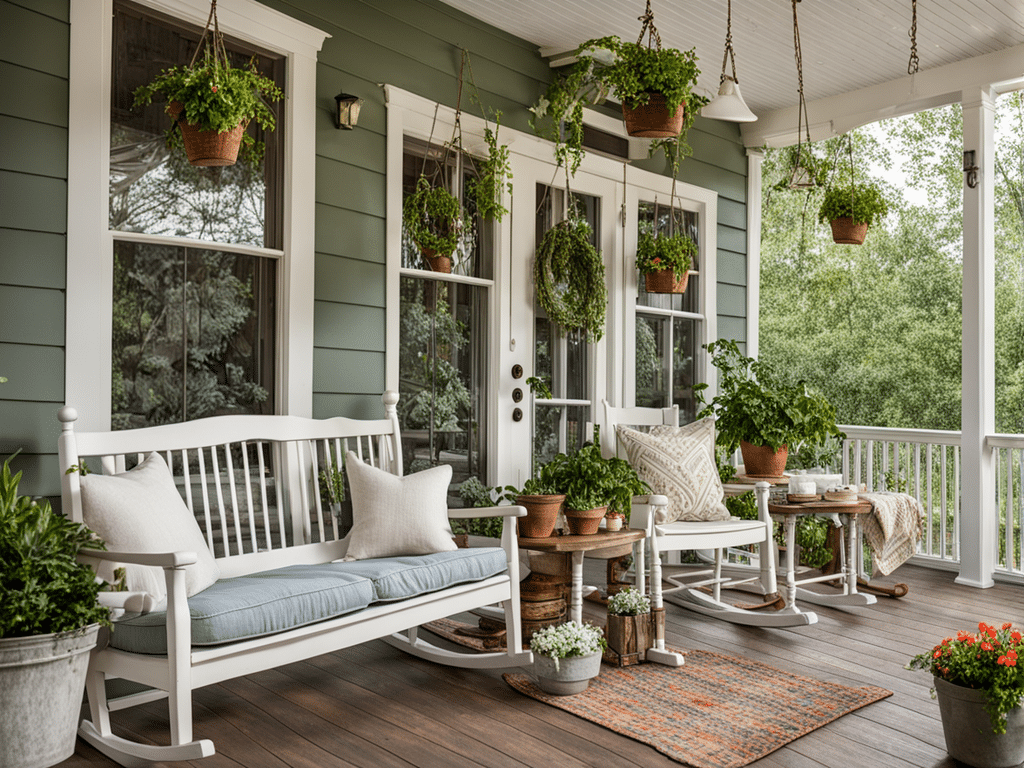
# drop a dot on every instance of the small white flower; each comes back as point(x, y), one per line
point(565, 640)
point(629, 602)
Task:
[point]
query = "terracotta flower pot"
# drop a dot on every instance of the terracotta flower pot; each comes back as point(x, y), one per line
point(762, 461)
point(664, 281)
point(437, 263)
point(845, 232)
point(541, 515)
point(207, 148)
point(653, 120)
point(583, 522)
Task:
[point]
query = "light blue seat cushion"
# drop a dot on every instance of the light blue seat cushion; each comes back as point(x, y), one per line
point(252, 606)
point(399, 578)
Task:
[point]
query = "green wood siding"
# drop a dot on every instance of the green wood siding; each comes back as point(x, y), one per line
point(412, 44)
point(34, 37)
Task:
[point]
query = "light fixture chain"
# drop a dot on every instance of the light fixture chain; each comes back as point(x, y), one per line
point(648, 28)
point(914, 63)
point(730, 54)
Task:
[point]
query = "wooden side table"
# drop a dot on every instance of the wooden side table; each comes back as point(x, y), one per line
point(842, 514)
point(576, 546)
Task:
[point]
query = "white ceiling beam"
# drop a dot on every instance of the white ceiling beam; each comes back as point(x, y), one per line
point(1003, 71)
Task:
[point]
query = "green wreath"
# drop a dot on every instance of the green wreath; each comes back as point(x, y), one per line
point(569, 277)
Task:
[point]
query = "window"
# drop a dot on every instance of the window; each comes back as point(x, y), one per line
point(667, 333)
point(561, 359)
point(193, 330)
point(444, 331)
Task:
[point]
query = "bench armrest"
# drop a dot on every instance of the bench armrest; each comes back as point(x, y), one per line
point(643, 511)
point(159, 559)
point(508, 510)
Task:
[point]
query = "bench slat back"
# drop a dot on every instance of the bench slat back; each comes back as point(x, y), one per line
point(254, 483)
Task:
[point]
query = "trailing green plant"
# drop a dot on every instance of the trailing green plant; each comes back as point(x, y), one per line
point(539, 387)
point(864, 203)
point(563, 641)
point(634, 71)
point(674, 252)
point(628, 602)
point(589, 480)
point(568, 273)
point(43, 587)
point(432, 218)
point(217, 97)
point(494, 175)
point(757, 405)
point(743, 505)
point(475, 494)
point(986, 661)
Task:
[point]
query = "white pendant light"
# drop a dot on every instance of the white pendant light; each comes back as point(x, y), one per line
point(728, 104)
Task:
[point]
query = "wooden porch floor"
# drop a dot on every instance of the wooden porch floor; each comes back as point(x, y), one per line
point(372, 706)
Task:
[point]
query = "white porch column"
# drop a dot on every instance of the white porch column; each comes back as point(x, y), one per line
point(755, 159)
point(978, 513)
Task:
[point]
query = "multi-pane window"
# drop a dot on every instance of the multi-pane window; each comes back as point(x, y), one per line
point(667, 329)
point(444, 332)
point(562, 360)
point(194, 327)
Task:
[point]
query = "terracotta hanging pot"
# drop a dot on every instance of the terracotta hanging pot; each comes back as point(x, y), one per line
point(664, 281)
point(763, 461)
point(206, 148)
point(437, 263)
point(653, 120)
point(845, 232)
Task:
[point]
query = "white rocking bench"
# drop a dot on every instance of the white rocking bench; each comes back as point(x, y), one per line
point(253, 484)
point(689, 585)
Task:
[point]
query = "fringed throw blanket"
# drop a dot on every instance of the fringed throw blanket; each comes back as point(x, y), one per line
point(892, 529)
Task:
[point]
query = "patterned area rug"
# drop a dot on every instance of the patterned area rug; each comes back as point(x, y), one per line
point(713, 712)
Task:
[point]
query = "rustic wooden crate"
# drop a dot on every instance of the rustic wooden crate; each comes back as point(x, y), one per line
point(629, 637)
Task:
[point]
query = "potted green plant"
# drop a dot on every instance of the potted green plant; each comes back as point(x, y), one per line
point(542, 501)
point(979, 682)
point(568, 275)
point(851, 209)
point(432, 218)
point(761, 412)
point(593, 485)
point(566, 657)
point(49, 619)
point(212, 103)
point(629, 629)
point(665, 261)
point(654, 85)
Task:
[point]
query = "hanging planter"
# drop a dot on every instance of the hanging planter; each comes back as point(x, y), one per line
point(432, 218)
point(665, 262)
point(653, 119)
point(569, 277)
point(851, 209)
point(212, 103)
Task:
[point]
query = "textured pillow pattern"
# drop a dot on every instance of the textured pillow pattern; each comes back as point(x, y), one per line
point(394, 515)
point(678, 462)
point(142, 511)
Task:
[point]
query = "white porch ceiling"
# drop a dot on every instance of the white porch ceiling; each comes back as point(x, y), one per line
point(847, 45)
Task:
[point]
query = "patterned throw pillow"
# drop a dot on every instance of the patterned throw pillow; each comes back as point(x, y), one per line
point(678, 462)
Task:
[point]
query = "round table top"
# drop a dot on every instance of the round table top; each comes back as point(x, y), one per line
point(858, 507)
point(586, 543)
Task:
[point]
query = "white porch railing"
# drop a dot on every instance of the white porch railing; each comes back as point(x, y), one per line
point(1008, 460)
point(922, 462)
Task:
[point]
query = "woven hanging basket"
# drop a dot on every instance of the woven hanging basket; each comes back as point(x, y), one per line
point(653, 120)
point(763, 461)
point(664, 281)
point(207, 148)
point(437, 263)
point(845, 232)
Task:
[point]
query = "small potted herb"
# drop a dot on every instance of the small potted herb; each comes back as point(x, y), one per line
point(629, 629)
point(432, 218)
point(851, 209)
point(212, 103)
point(665, 261)
point(979, 681)
point(566, 657)
point(761, 412)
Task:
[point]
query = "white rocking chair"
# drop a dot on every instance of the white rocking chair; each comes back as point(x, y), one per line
point(686, 590)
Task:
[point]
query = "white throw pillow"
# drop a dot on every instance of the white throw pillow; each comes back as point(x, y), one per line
point(394, 515)
point(142, 511)
point(679, 462)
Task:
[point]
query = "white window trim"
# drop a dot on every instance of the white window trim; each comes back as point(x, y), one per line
point(89, 299)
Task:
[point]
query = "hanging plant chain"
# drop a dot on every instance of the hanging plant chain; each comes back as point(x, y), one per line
point(649, 29)
point(914, 63)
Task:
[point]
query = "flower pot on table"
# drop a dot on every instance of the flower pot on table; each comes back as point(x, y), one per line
point(762, 460)
point(583, 522)
point(541, 514)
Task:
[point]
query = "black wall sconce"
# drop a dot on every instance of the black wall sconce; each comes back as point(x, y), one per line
point(348, 110)
point(970, 169)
